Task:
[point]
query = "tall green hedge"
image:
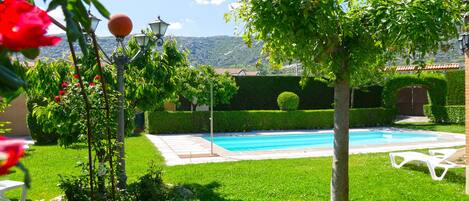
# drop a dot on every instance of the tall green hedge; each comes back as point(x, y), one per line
point(238, 121)
point(434, 83)
point(261, 92)
point(454, 114)
point(455, 81)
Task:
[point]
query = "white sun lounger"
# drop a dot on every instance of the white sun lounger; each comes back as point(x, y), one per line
point(6, 185)
point(437, 159)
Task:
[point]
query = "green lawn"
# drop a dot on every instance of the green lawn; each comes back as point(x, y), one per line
point(452, 128)
point(46, 162)
point(371, 176)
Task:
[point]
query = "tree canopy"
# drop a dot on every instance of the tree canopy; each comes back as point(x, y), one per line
point(194, 85)
point(323, 34)
point(347, 41)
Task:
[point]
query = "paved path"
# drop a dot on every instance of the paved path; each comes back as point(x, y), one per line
point(193, 149)
point(412, 119)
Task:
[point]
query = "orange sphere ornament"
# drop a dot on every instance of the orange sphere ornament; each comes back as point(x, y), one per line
point(120, 25)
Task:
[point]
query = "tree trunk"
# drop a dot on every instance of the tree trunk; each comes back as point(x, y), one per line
point(339, 180)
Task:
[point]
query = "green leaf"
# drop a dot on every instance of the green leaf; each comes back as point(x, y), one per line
point(30, 53)
point(54, 4)
point(10, 79)
point(104, 12)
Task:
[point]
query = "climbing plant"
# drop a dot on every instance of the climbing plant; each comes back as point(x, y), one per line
point(434, 83)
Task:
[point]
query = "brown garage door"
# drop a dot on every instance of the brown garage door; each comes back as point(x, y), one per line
point(411, 100)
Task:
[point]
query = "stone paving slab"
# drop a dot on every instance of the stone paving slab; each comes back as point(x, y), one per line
point(193, 149)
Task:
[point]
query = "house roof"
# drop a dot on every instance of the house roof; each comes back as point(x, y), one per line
point(443, 67)
point(251, 73)
point(231, 71)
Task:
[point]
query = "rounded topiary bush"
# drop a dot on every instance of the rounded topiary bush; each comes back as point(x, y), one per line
point(288, 101)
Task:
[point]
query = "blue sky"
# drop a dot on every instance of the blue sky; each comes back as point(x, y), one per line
point(187, 17)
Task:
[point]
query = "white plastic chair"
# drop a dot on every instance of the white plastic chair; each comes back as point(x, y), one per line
point(438, 159)
point(6, 185)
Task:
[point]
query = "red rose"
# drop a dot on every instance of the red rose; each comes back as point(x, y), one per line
point(97, 77)
point(64, 85)
point(61, 92)
point(76, 76)
point(77, 84)
point(57, 99)
point(13, 150)
point(23, 26)
point(92, 84)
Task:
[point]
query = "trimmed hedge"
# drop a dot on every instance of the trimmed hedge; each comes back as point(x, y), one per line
point(239, 121)
point(288, 101)
point(434, 83)
point(260, 93)
point(455, 81)
point(454, 114)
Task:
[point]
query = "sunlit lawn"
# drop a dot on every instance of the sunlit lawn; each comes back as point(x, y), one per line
point(371, 176)
point(46, 162)
point(452, 128)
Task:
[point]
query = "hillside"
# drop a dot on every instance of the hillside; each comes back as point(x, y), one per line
point(226, 51)
point(219, 51)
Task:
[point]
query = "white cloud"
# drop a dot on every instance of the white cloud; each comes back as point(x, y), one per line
point(59, 16)
point(234, 6)
point(175, 26)
point(209, 2)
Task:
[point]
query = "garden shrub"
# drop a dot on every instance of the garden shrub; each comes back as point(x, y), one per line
point(445, 114)
point(239, 121)
point(455, 81)
point(148, 187)
point(434, 83)
point(288, 101)
point(35, 127)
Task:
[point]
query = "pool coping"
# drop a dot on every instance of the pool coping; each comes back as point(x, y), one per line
point(173, 146)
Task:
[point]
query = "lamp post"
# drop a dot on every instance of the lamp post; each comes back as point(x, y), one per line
point(120, 26)
point(211, 116)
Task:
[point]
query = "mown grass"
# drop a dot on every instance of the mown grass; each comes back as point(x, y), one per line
point(452, 128)
point(45, 163)
point(371, 176)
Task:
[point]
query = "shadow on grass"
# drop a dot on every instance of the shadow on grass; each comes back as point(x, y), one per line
point(451, 176)
point(207, 192)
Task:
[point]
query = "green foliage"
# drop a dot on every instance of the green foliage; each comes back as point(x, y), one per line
point(11, 78)
point(3, 106)
point(75, 188)
point(150, 78)
point(453, 114)
point(455, 81)
point(260, 93)
point(288, 101)
point(237, 121)
point(435, 84)
point(149, 187)
point(194, 84)
point(37, 133)
point(353, 39)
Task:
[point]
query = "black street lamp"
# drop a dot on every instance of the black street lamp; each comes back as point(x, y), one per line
point(121, 59)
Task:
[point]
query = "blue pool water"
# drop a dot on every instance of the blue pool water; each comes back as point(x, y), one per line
point(283, 141)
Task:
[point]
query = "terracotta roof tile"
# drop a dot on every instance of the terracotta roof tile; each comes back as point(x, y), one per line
point(453, 66)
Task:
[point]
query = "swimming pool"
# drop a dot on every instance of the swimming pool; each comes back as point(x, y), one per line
point(300, 140)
